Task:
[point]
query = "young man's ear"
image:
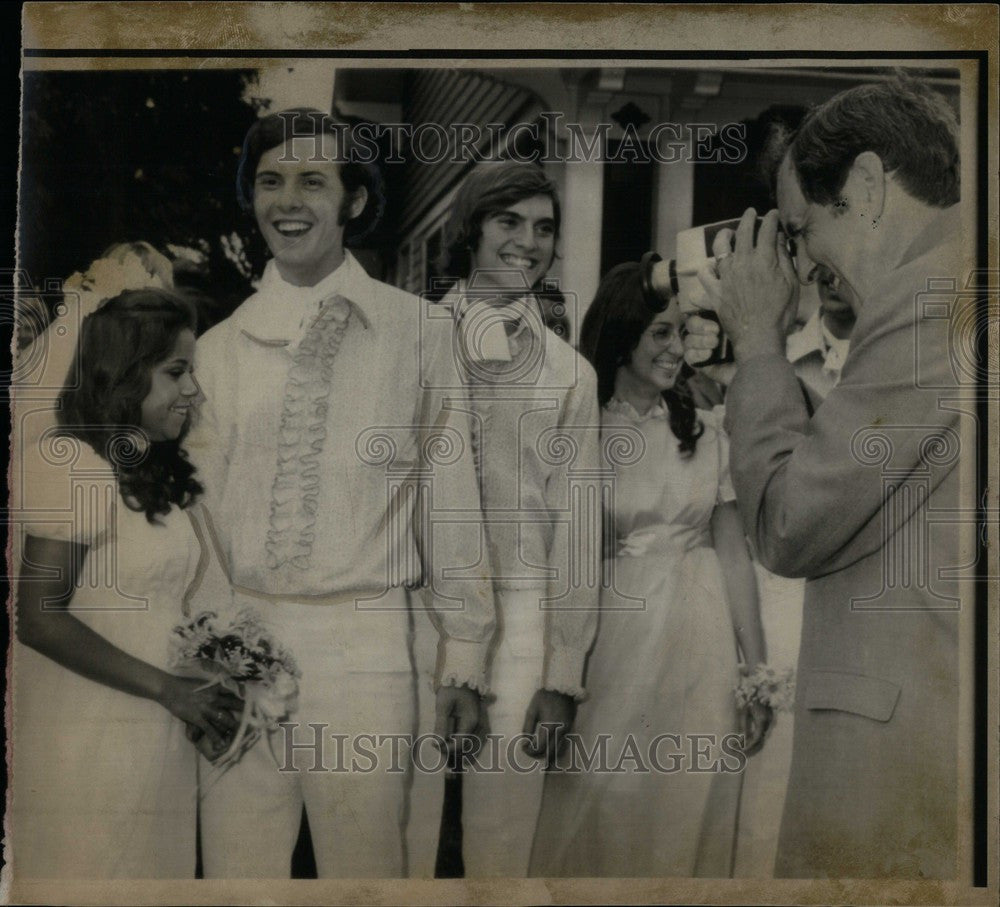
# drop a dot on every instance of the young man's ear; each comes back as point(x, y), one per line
point(358, 203)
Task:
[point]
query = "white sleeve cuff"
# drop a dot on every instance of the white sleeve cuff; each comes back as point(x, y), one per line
point(464, 663)
point(564, 672)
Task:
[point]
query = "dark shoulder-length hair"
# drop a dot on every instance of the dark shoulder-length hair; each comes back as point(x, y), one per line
point(356, 162)
point(610, 332)
point(119, 346)
point(490, 188)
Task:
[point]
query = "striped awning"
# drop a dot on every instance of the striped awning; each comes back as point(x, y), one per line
point(447, 97)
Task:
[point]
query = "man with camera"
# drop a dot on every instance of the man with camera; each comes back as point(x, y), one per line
point(868, 190)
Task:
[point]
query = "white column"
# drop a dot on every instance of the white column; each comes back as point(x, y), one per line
point(674, 205)
point(582, 217)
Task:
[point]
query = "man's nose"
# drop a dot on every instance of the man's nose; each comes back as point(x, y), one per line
point(289, 197)
point(525, 236)
point(805, 267)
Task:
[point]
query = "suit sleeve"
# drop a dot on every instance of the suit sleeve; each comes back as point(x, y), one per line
point(209, 445)
point(812, 491)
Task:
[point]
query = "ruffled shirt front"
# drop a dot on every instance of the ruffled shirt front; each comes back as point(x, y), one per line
point(322, 410)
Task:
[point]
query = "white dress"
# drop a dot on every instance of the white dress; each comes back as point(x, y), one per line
point(104, 783)
point(664, 663)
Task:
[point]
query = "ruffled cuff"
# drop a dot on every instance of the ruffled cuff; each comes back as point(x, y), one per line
point(564, 672)
point(464, 664)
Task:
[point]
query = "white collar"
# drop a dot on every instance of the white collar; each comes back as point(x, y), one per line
point(815, 337)
point(807, 339)
point(493, 342)
point(279, 313)
point(623, 408)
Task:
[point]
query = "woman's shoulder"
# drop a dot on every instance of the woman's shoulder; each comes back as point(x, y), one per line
point(67, 490)
point(55, 452)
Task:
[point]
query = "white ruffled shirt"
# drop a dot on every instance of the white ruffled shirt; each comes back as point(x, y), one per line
point(318, 401)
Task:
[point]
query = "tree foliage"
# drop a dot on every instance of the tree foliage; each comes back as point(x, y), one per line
point(114, 156)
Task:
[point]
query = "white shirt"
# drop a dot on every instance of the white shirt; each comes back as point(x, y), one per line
point(318, 403)
point(538, 457)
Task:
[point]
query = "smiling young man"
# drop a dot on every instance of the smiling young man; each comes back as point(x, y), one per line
point(315, 407)
point(533, 399)
point(869, 191)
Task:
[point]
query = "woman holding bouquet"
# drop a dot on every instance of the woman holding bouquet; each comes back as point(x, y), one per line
point(680, 597)
point(104, 779)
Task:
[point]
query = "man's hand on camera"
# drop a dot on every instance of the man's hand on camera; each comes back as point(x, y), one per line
point(701, 337)
point(755, 290)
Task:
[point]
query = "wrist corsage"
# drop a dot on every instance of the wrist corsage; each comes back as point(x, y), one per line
point(767, 686)
point(243, 657)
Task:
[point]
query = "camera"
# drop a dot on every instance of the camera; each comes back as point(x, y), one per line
point(679, 276)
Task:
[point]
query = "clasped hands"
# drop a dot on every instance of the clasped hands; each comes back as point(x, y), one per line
point(462, 721)
point(754, 290)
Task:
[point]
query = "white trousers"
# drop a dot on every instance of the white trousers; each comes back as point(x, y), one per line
point(346, 758)
point(500, 808)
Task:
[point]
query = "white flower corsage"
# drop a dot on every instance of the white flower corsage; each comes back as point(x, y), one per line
point(767, 686)
point(241, 656)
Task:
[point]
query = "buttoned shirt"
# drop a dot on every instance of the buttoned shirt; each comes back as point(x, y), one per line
point(323, 436)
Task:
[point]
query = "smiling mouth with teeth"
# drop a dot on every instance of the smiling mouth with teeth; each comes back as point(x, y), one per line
point(292, 228)
point(517, 262)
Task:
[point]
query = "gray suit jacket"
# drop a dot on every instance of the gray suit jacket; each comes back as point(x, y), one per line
point(846, 498)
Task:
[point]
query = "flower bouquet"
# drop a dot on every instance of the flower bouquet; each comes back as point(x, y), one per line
point(241, 656)
point(767, 686)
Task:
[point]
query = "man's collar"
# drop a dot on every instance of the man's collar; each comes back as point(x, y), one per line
point(808, 339)
point(276, 312)
point(816, 338)
point(496, 337)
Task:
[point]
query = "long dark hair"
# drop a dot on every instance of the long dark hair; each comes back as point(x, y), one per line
point(610, 332)
point(355, 168)
point(488, 189)
point(119, 346)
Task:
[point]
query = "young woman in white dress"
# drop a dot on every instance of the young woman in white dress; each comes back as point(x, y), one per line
point(678, 609)
point(104, 780)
